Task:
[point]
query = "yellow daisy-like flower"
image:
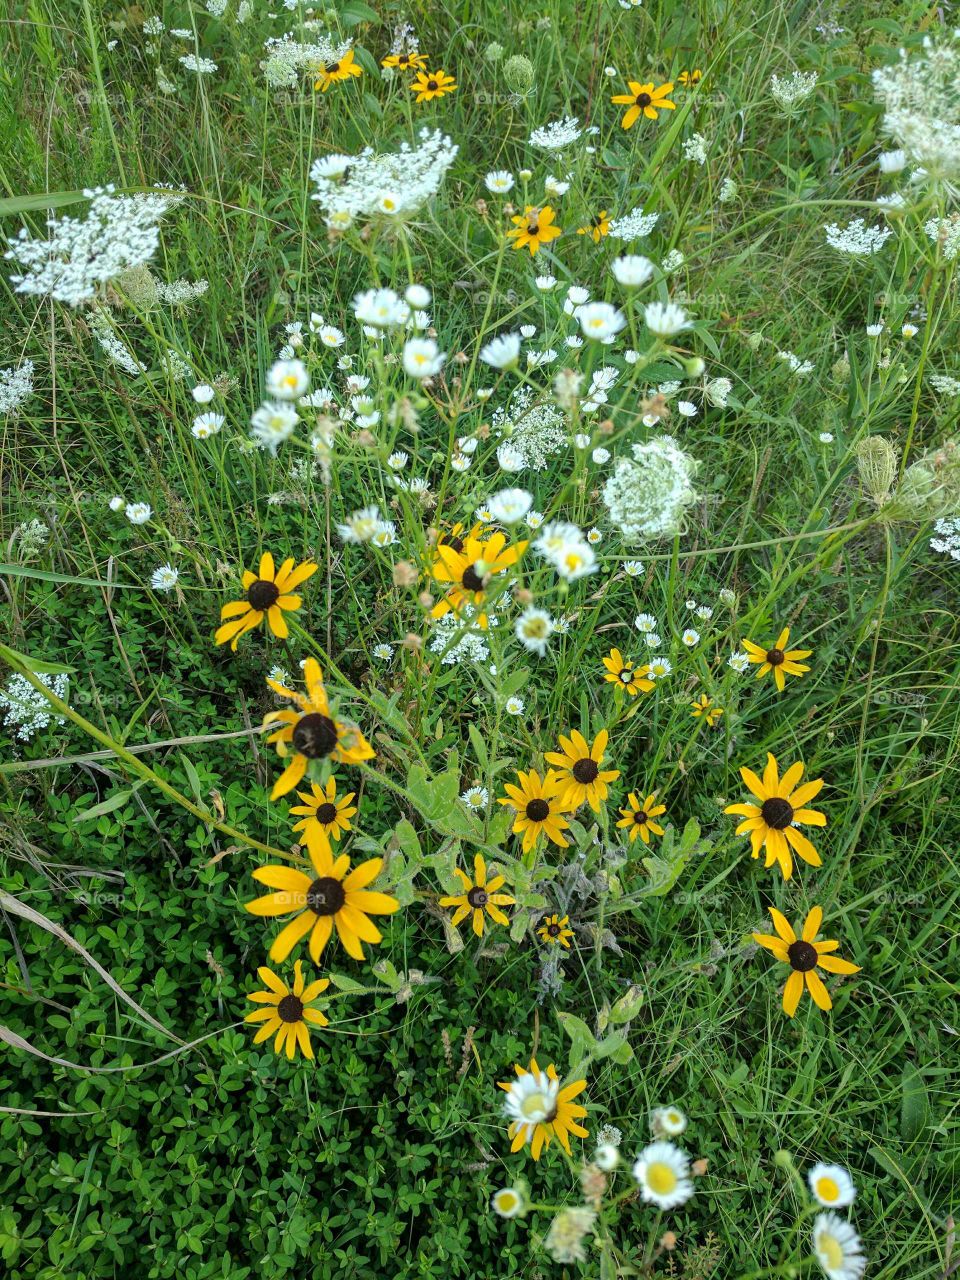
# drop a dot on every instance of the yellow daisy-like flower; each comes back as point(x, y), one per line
point(311, 733)
point(533, 228)
point(597, 227)
point(540, 1110)
point(626, 675)
point(343, 69)
point(409, 60)
point(804, 955)
point(703, 706)
point(428, 85)
point(465, 567)
point(335, 895)
point(555, 931)
point(479, 895)
point(780, 660)
point(643, 99)
point(638, 818)
point(579, 764)
point(540, 807)
point(771, 823)
point(689, 78)
point(326, 818)
point(286, 1011)
point(268, 596)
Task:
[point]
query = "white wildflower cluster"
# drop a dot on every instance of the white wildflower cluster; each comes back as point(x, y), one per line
point(946, 233)
point(649, 496)
point(557, 135)
point(790, 92)
point(633, 226)
point(26, 710)
point(31, 537)
point(180, 292)
point(601, 381)
point(119, 353)
point(716, 392)
point(728, 191)
point(289, 58)
point(856, 238)
point(16, 386)
point(797, 366)
point(532, 431)
point(119, 232)
point(945, 385)
point(392, 185)
point(695, 149)
point(201, 66)
point(457, 637)
point(564, 547)
point(920, 94)
point(947, 541)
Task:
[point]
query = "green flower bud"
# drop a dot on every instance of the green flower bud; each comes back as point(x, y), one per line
point(518, 74)
point(494, 52)
point(877, 467)
point(138, 287)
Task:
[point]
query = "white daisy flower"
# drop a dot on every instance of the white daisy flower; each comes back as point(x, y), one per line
point(502, 351)
point(422, 358)
point(288, 379)
point(533, 629)
point(837, 1248)
point(383, 652)
point(690, 637)
point(475, 797)
point(831, 1185)
point(510, 505)
point(531, 1100)
point(203, 393)
point(508, 1202)
point(498, 181)
point(663, 1174)
point(514, 706)
point(138, 512)
point(645, 622)
point(668, 1122)
point(606, 1157)
point(164, 578)
point(206, 425)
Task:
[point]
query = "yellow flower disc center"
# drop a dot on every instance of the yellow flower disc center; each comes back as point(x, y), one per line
point(830, 1247)
point(661, 1179)
point(536, 1107)
point(827, 1189)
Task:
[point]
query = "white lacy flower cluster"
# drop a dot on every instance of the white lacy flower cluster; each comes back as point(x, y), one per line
point(391, 185)
point(532, 431)
point(556, 135)
point(946, 233)
point(26, 709)
point(947, 541)
point(856, 238)
point(921, 99)
point(119, 232)
point(458, 637)
point(102, 329)
point(16, 385)
point(790, 92)
point(648, 496)
point(288, 58)
point(633, 226)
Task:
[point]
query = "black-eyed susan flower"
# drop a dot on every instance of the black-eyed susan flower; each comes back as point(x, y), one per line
point(268, 596)
point(540, 807)
point(465, 567)
point(578, 765)
point(804, 955)
point(597, 227)
point(286, 1011)
point(703, 706)
point(533, 228)
point(555, 930)
point(325, 815)
point(342, 69)
point(428, 85)
point(638, 818)
point(625, 674)
point(406, 60)
point(311, 733)
point(333, 895)
point(778, 659)
point(772, 822)
point(643, 99)
point(689, 78)
point(480, 895)
point(540, 1110)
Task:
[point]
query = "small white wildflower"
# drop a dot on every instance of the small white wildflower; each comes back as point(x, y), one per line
point(164, 578)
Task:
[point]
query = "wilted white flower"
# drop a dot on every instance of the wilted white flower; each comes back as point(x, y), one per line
point(164, 578)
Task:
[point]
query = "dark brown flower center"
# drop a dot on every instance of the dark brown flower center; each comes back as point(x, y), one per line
point(432, 85)
point(477, 897)
point(585, 771)
point(452, 541)
point(262, 594)
point(643, 99)
point(777, 812)
point(326, 896)
point(332, 68)
point(775, 657)
point(553, 930)
point(533, 229)
point(537, 810)
point(597, 222)
point(471, 579)
point(403, 59)
point(290, 1009)
point(641, 817)
point(315, 736)
point(803, 956)
point(326, 812)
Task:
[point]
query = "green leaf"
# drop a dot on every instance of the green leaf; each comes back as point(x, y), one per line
point(116, 801)
point(36, 665)
point(914, 1104)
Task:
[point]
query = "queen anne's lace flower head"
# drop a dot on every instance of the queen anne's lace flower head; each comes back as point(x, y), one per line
point(649, 496)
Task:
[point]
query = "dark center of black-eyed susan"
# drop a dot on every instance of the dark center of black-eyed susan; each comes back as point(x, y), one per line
point(777, 812)
point(596, 222)
point(452, 541)
point(290, 1009)
point(553, 930)
point(640, 817)
point(315, 736)
point(333, 68)
point(533, 229)
point(326, 812)
point(775, 657)
point(803, 956)
point(537, 810)
point(326, 896)
point(403, 60)
point(432, 85)
point(477, 897)
point(643, 99)
point(585, 771)
point(471, 579)
point(262, 594)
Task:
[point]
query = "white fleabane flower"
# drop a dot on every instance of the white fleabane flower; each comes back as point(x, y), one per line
point(273, 423)
point(659, 667)
point(502, 351)
point(422, 358)
point(398, 460)
point(138, 512)
point(665, 318)
point(600, 456)
point(510, 505)
point(606, 1157)
point(892, 161)
point(645, 622)
point(514, 706)
point(831, 1185)
point(686, 409)
point(206, 425)
point(203, 393)
point(381, 308)
point(662, 1172)
point(837, 1248)
point(288, 380)
point(383, 652)
point(499, 181)
point(508, 1202)
point(691, 637)
point(632, 270)
point(361, 525)
point(331, 336)
point(600, 320)
point(475, 797)
point(668, 1122)
point(909, 330)
point(533, 629)
point(418, 295)
point(633, 568)
point(874, 330)
point(510, 458)
point(545, 283)
point(738, 662)
point(164, 578)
